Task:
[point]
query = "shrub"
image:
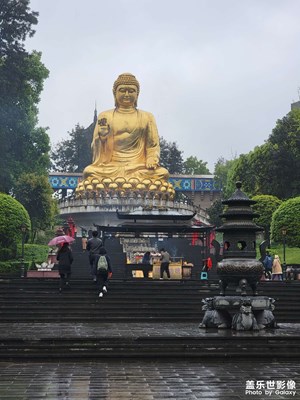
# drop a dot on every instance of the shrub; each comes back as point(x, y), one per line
point(12, 216)
point(287, 216)
point(11, 267)
point(7, 253)
point(265, 206)
point(34, 252)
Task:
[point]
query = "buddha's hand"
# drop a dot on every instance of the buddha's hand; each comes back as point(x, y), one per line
point(104, 128)
point(151, 163)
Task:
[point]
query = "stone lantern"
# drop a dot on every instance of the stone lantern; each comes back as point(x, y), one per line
point(239, 265)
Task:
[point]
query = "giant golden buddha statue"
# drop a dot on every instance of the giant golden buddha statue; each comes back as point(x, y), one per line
point(126, 147)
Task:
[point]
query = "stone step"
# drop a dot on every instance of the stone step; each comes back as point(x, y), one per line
point(29, 299)
point(248, 347)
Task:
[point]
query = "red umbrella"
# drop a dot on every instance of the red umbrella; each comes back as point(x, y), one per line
point(60, 240)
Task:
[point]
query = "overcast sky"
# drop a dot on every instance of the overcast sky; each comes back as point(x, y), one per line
point(216, 74)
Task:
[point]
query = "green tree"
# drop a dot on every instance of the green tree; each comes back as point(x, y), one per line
point(16, 24)
point(12, 216)
point(24, 146)
point(221, 170)
point(171, 157)
point(265, 169)
point(241, 171)
point(285, 161)
point(214, 212)
point(73, 154)
point(35, 193)
point(266, 205)
point(232, 178)
point(193, 166)
point(287, 216)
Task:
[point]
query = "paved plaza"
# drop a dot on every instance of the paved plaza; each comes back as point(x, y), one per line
point(142, 380)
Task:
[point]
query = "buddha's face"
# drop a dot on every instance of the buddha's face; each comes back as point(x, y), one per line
point(126, 96)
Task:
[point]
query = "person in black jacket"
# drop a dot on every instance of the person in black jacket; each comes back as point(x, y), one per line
point(93, 246)
point(65, 259)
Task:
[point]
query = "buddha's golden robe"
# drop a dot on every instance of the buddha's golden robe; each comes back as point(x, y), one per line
point(129, 145)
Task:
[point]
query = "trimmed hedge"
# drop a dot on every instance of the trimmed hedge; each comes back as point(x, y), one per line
point(33, 253)
point(287, 216)
point(12, 268)
point(36, 252)
point(265, 206)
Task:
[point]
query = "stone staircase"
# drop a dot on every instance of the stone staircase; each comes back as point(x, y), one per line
point(38, 300)
point(149, 343)
point(136, 318)
point(140, 300)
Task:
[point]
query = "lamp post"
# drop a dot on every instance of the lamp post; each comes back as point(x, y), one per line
point(284, 231)
point(23, 228)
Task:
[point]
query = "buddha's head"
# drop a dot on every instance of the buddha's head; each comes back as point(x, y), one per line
point(126, 90)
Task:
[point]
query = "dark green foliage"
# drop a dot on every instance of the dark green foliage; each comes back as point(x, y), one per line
point(7, 253)
point(214, 213)
point(24, 147)
point(285, 142)
point(193, 166)
point(35, 252)
point(74, 154)
point(16, 24)
point(11, 268)
point(32, 254)
point(171, 157)
point(240, 170)
point(34, 192)
point(12, 216)
point(265, 169)
point(287, 216)
point(46, 235)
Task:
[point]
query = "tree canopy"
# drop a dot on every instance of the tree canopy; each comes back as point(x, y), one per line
point(193, 166)
point(24, 146)
point(171, 157)
point(222, 178)
point(35, 194)
point(73, 154)
point(214, 212)
point(265, 169)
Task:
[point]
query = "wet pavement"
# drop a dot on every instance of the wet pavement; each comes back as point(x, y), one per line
point(145, 380)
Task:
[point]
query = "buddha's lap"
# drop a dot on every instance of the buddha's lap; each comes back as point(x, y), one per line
point(126, 171)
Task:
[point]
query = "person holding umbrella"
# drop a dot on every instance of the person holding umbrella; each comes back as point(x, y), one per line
point(65, 258)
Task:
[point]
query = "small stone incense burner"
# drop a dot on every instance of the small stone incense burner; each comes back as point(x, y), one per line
point(240, 267)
